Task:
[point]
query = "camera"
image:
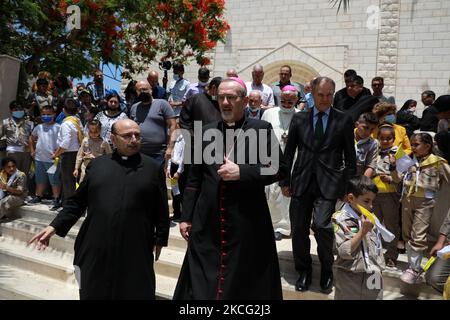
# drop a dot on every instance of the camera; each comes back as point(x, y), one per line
point(165, 65)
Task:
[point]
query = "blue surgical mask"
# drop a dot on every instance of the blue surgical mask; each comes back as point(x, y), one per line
point(46, 118)
point(203, 84)
point(18, 114)
point(390, 118)
point(176, 77)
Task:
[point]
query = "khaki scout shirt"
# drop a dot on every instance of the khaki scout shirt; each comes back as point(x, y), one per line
point(16, 133)
point(346, 224)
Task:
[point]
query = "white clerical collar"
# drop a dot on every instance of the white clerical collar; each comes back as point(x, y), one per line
point(124, 158)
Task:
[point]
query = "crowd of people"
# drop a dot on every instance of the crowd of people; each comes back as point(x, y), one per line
point(343, 155)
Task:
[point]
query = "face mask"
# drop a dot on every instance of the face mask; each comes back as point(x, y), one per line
point(176, 77)
point(18, 114)
point(390, 118)
point(214, 98)
point(46, 118)
point(287, 110)
point(145, 97)
point(203, 84)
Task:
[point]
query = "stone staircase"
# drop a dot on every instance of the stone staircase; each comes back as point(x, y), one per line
point(26, 273)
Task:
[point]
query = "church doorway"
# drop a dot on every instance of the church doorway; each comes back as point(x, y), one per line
point(301, 72)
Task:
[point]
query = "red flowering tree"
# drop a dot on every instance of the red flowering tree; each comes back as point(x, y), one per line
point(179, 28)
point(123, 32)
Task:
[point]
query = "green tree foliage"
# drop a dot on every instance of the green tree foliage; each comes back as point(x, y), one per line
point(123, 32)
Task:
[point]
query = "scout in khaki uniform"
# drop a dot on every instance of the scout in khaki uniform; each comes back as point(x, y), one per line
point(387, 203)
point(13, 188)
point(421, 182)
point(438, 276)
point(360, 261)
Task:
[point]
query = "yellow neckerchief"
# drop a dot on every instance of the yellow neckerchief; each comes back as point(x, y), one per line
point(77, 123)
point(430, 160)
point(4, 177)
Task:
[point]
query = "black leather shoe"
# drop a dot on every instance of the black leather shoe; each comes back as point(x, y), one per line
point(326, 282)
point(304, 281)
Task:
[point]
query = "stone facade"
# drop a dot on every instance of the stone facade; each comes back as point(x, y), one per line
point(409, 45)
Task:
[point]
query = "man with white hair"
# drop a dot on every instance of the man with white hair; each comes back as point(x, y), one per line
point(267, 92)
point(280, 119)
point(254, 110)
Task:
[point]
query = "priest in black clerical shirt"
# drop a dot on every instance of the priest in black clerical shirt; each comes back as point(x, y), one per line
point(127, 221)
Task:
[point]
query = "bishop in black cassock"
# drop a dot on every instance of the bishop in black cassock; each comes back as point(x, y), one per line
point(231, 246)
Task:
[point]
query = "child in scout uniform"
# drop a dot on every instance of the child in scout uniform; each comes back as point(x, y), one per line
point(13, 187)
point(420, 185)
point(387, 202)
point(366, 147)
point(360, 262)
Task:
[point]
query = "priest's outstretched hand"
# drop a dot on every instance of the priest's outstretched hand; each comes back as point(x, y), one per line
point(229, 171)
point(43, 238)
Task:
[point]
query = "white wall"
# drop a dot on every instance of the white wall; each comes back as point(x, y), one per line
point(9, 79)
point(417, 57)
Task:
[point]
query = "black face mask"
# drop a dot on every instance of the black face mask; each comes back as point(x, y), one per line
point(145, 97)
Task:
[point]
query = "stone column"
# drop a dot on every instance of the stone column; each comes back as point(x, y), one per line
point(388, 44)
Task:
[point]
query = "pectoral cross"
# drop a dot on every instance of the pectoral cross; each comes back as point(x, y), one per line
point(284, 137)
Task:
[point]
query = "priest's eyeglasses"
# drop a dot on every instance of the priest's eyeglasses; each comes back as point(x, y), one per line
point(229, 97)
point(129, 136)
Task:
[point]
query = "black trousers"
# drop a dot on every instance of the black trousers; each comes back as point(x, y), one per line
point(300, 213)
point(68, 181)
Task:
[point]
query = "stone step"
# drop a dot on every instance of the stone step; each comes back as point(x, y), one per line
point(169, 265)
point(59, 265)
point(19, 284)
point(49, 262)
point(391, 277)
point(42, 213)
point(24, 230)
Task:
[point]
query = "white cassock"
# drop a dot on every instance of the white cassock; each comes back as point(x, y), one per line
point(279, 204)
